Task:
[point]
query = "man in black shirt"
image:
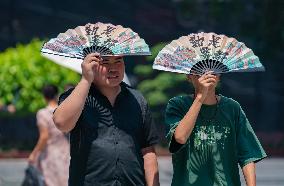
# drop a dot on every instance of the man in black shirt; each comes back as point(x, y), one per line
point(111, 129)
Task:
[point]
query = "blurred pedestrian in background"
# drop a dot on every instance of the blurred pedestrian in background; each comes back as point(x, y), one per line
point(51, 153)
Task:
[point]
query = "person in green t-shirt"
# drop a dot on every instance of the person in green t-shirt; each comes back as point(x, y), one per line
point(208, 136)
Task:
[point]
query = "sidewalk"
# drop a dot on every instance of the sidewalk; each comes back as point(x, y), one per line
point(270, 172)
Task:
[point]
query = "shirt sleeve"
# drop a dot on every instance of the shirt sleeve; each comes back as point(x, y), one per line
point(249, 147)
point(151, 136)
point(174, 113)
point(41, 119)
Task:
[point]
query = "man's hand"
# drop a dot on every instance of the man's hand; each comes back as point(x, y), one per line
point(32, 158)
point(203, 84)
point(89, 66)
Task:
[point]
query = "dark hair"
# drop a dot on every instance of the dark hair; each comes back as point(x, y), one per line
point(68, 86)
point(50, 92)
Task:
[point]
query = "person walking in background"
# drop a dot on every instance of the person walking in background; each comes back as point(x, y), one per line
point(209, 135)
point(51, 153)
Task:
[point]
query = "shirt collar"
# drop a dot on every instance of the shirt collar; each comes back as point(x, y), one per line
point(95, 92)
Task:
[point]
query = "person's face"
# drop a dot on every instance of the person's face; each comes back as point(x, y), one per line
point(194, 79)
point(109, 72)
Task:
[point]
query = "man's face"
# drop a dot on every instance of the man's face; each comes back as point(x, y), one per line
point(110, 71)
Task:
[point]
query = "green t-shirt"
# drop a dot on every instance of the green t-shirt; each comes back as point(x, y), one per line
point(221, 139)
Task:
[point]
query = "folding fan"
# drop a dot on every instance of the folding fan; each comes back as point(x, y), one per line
point(203, 52)
point(106, 39)
point(70, 48)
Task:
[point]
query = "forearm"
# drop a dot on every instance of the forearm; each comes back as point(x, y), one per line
point(69, 111)
point(151, 169)
point(187, 124)
point(41, 144)
point(249, 174)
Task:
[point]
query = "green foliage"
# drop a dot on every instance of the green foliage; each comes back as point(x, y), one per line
point(155, 50)
point(157, 86)
point(143, 70)
point(159, 89)
point(23, 73)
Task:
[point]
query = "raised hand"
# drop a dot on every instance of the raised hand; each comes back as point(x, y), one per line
point(90, 65)
point(203, 83)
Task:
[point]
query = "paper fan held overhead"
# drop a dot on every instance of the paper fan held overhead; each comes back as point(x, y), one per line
point(106, 39)
point(203, 52)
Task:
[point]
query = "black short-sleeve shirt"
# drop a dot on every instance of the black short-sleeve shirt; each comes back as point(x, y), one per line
point(107, 140)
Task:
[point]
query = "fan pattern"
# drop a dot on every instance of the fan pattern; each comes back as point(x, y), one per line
point(106, 39)
point(203, 52)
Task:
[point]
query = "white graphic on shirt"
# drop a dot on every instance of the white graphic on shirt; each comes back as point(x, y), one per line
point(210, 135)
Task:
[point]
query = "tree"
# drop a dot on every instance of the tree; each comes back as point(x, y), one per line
point(23, 73)
point(158, 87)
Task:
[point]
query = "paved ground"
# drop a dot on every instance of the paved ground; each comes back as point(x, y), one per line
point(270, 172)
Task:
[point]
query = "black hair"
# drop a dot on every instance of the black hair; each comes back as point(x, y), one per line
point(68, 86)
point(50, 92)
